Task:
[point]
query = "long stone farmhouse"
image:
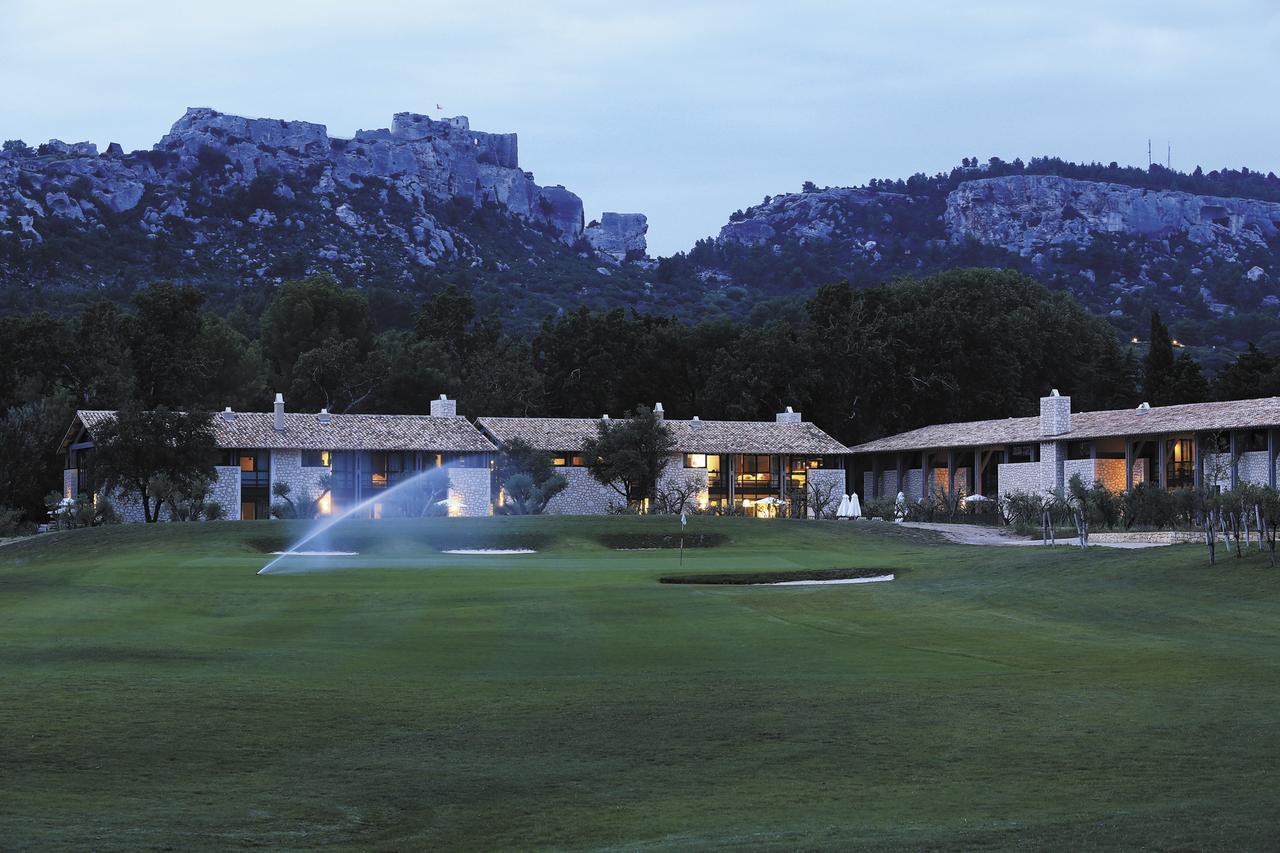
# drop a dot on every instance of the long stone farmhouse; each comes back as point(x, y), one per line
point(1211, 445)
point(364, 454)
point(756, 468)
point(753, 467)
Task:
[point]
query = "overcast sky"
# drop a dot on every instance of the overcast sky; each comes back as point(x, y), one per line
point(683, 111)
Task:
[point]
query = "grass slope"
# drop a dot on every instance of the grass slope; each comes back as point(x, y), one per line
point(156, 693)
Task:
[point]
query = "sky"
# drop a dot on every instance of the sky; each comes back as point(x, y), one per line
point(683, 111)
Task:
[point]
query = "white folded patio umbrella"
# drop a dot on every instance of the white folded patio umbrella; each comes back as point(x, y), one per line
point(855, 506)
point(842, 511)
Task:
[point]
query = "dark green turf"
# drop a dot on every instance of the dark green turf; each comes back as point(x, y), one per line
point(156, 693)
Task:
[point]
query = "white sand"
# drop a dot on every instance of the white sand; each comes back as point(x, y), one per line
point(876, 579)
point(316, 553)
point(491, 551)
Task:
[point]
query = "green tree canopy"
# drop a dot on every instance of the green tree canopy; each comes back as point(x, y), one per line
point(139, 448)
point(629, 455)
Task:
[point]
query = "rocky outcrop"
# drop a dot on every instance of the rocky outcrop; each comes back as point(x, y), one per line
point(619, 237)
point(1025, 213)
point(213, 175)
point(820, 215)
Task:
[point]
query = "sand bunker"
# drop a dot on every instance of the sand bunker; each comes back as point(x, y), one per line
point(492, 552)
point(316, 553)
point(876, 579)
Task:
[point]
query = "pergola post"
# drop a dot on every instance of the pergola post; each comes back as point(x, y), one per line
point(1271, 458)
point(926, 471)
point(902, 473)
point(875, 475)
point(951, 472)
point(1128, 464)
point(1199, 457)
point(977, 471)
point(1160, 456)
point(1235, 463)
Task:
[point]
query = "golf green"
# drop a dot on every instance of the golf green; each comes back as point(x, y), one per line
point(156, 693)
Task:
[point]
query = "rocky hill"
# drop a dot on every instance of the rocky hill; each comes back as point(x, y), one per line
point(237, 205)
point(1211, 262)
point(228, 201)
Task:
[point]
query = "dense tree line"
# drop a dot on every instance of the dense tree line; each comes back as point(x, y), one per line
point(961, 345)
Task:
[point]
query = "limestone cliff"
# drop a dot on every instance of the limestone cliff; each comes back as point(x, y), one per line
point(1208, 259)
point(1024, 213)
point(243, 199)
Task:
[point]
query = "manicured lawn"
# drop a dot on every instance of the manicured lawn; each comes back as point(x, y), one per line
point(156, 693)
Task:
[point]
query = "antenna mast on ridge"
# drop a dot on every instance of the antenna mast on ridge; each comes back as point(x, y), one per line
point(1148, 153)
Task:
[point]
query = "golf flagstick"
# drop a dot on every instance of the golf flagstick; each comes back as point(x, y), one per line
point(684, 519)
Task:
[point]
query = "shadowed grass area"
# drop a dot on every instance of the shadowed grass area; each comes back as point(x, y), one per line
point(155, 692)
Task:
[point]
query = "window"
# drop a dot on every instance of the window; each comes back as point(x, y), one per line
point(713, 472)
point(316, 459)
point(1253, 441)
point(1022, 453)
point(756, 471)
point(695, 460)
point(1079, 450)
point(568, 460)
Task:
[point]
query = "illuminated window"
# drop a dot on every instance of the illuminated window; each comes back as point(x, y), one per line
point(248, 464)
point(316, 459)
point(559, 461)
point(695, 460)
point(576, 460)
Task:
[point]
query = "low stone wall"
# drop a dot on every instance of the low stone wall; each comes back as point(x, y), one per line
point(1161, 537)
point(469, 488)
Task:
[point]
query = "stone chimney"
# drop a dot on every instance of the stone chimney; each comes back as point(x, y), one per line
point(1144, 408)
point(1055, 414)
point(279, 412)
point(790, 416)
point(323, 417)
point(696, 423)
point(444, 407)
point(658, 411)
point(228, 415)
point(605, 416)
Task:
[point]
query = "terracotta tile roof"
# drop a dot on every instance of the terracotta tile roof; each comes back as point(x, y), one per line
point(562, 434)
point(1162, 420)
point(343, 432)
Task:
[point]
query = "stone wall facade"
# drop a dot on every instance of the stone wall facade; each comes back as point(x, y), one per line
point(470, 493)
point(226, 491)
point(677, 477)
point(1019, 478)
point(1250, 468)
point(304, 483)
point(70, 488)
point(832, 479)
point(1052, 456)
point(583, 495)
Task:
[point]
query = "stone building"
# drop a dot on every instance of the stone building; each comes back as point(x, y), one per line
point(1209, 445)
point(758, 468)
point(334, 461)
